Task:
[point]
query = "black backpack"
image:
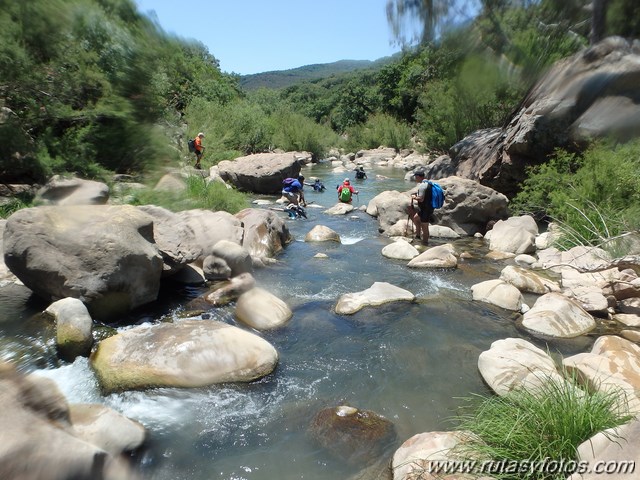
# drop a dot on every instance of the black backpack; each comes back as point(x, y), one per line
point(192, 145)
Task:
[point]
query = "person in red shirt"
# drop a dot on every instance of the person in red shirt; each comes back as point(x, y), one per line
point(199, 150)
point(345, 196)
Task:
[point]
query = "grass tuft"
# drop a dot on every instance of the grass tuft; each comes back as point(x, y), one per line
point(541, 426)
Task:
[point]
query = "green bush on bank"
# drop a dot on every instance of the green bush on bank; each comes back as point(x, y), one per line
point(534, 426)
point(380, 129)
point(295, 132)
point(245, 127)
point(198, 193)
point(594, 196)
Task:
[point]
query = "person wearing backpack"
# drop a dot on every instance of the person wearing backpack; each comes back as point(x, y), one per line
point(421, 209)
point(360, 173)
point(346, 191)
point(292, 191)
point(198, 150)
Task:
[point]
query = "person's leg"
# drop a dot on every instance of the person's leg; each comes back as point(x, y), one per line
point(424, 218)
point(198, 157)
point(418, 224)
point(292, 197)
point(425, 233)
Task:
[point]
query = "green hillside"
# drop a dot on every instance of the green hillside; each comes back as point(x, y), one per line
point(285, 78)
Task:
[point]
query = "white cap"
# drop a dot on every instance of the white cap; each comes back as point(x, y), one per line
point(201, 134)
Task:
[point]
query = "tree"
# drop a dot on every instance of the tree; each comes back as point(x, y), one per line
point(431, 17)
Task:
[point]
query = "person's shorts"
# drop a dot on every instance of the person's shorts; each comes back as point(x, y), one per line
point(425, 214)
point(291, 196)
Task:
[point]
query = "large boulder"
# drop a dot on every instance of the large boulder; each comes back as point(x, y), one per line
point(614, 453)
point(426, 452)
point(389, 207)
point(174, 237)
point(591, 94)
point(613, 364)
point(38, 438)
point(236, 257)
point(72, 191)
point(555, 315)
point(190, 353)
point(262, 172)
point(265, 232)
point(211, 227)
point(101, 426)
point(468, 208)
point(514, 363)
point(103, 255)
point(5, 274)
point(514, 235)
point(262, 310)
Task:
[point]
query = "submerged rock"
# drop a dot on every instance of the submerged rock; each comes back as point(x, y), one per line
point(378, 294)
point(356, 436)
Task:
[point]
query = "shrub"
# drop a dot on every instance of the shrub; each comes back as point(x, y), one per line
point(238, 126)
point(295, 132)
point(197, 194)
point(594, 196)
point(534, 426)
point(380, 129)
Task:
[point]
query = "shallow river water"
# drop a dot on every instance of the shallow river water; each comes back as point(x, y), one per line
point(412, 363)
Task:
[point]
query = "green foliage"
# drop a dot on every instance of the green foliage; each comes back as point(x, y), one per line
point(86, 80)
point(295, 132)
point(537, 425)
point(380, 129)
point(14, 204)
point(239, 126)
point(594, 197)
point(198, 193)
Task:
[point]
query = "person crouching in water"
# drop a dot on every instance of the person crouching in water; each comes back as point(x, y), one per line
point(420, 209)
point(293, 192)
point(346, 191)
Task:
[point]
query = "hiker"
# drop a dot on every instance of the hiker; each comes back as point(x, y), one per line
point(199, 150)
point(301, 193)
point(292, 191)
point(360, 173)
point(346, 191)
point(318, 186)
point(420, 209)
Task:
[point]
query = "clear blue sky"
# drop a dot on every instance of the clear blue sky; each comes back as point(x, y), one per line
point(253, 36)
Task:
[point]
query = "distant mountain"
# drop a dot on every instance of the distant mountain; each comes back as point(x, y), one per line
point(285, 78)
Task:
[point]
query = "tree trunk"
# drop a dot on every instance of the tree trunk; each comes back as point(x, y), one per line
point(598, 20)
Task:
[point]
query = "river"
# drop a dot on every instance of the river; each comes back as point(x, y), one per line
point(412, 363)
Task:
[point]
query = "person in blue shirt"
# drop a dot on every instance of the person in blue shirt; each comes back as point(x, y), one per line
point(293, 192)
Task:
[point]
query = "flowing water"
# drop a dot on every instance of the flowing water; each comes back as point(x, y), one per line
point(411, 363)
